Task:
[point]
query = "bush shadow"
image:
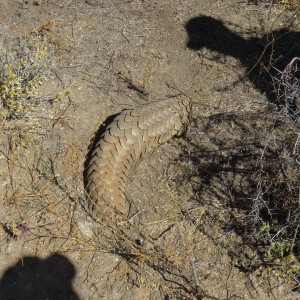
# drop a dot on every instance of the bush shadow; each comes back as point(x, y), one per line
point(264, 58)
point(33, 278)
point(220, 157)
point(230, 150)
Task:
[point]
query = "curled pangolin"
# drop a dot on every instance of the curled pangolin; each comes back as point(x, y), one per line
point(129, 135)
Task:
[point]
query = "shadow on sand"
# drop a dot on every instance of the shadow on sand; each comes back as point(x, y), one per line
point(32, 278)
point(264, 58)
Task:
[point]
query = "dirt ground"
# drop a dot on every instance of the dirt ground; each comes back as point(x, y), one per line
point(183, 240)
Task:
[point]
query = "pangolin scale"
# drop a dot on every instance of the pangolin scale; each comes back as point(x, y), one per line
point(130, 135)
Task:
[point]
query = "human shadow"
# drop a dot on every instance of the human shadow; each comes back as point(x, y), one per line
point(264, 58)
point(32, 278)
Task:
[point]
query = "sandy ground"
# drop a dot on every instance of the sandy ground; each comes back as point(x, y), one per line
point(187, 197)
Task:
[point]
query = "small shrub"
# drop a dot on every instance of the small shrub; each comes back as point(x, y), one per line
point(287, 86)
point(21, 70)
point(275, 205)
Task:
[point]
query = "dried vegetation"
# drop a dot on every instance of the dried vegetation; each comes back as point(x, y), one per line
point(231, 182)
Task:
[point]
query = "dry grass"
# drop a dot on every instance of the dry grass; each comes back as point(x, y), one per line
point(192, 206)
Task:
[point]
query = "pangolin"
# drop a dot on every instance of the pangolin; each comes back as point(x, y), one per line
point(130, 135)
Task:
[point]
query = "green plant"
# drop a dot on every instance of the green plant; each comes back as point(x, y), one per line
point(21, 70)
point(286, 264)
